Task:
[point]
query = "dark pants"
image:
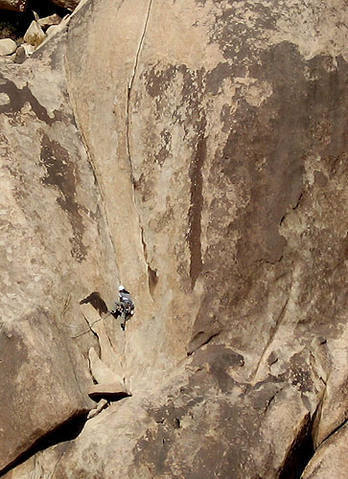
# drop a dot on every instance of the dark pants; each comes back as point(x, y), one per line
point(122, 311)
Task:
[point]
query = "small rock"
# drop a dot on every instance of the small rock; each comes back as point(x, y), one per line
point(49, 21)
point(34, 35)
point(7, 47)
point(20, 55)
point(23, 52)
point(102, 404)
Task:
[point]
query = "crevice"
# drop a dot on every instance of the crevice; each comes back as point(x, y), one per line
point(129, 94)
point(153, 279)
point(270, 401)
point(90, 329)
point(196, 206)
point(200, 333)
point(67, 431)
point(272, 335)
point(130, 87)
point(151, 273)
point(297, 204)
point(340, 426)
point(111, 397)
point(300, 453)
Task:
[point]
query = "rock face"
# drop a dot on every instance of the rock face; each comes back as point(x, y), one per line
point(195, 151)
point(330, 460)
point(53, 254)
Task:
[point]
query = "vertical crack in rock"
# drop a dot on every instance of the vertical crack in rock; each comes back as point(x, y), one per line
point(300, 452)
point(151, 273)
point(336, 429)
point(130, 87)
point(274, 331)
point(129, 93)
point(195, 212)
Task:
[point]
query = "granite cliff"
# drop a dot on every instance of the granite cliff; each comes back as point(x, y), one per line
point(196, 152)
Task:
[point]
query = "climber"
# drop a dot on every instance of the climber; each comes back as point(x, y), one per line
point(124, 307)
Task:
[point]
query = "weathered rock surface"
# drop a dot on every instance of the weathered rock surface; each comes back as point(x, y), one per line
point(218, 150)
point(330, 460)
point(55, 250)
point(7, 46)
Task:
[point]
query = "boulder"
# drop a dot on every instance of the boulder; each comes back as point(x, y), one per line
point(7, 46)
point(102, 404)
point(34, 35)
point(21, 55)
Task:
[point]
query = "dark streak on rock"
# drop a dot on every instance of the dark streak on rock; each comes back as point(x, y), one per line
point(195, 212)
point(152, 274)
point(164, 151)
point(153, 279)
point(18, 98)
point(158, 81)
point(62, 174)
